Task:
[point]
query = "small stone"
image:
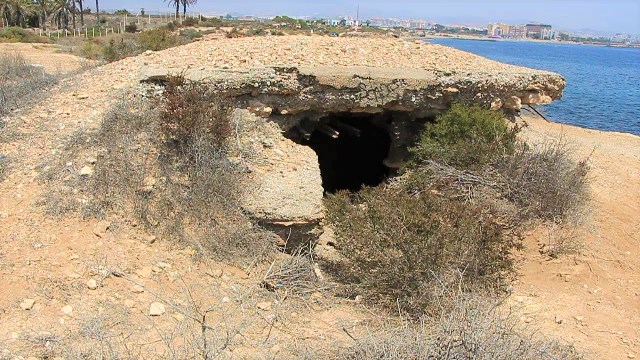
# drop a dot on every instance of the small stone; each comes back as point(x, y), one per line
point(92, 284)
point(164, 265)
point(151, 239)
point(267, 111)
point(558, 320)
point(156, 309)
point(156, 269)
point(284, 112)
point(129, 303)
point(264, 306)
point(215, 273)
point(137, 289)
point(358, 299)
point(226, 299)
point(631, 356)
point(86, 171)
point(567, 278)
point(67, 310)
point(27, 304)
point(178, 317)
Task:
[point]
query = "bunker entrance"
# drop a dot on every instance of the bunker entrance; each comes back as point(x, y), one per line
point(351, 149)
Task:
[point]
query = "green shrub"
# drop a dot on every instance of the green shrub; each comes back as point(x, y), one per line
point(190, 22)
point(131, 28)
point(157, 39)
point(408, 250)
point(191, 34)
point(16, 34)
point(466, 137)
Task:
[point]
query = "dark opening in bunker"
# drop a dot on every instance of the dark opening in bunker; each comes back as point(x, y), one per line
point(351, 149)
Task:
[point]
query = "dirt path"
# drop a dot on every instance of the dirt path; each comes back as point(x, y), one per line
point(592, 299)
point(47, 55)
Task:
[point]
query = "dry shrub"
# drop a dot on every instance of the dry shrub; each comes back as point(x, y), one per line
point(3, 164)
point(294, 274)
point(475, 328)
point(544, 180)
point(473, 150)
point(20, 82)
point(176, 181)
point(403, 248)
point(176, 177)
point(455, 214)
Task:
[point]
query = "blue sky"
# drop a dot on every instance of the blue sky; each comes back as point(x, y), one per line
point(601, 15)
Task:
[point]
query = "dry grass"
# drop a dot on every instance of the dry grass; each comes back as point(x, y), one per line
point(475, 328)
point(182, 189)
point(295, 274)
point(20, 83)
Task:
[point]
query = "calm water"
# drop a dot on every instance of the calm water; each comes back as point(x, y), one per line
point(603, 84)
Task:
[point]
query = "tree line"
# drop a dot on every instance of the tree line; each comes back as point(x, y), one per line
point(62, 13)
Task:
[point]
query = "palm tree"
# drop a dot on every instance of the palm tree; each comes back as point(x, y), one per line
point(61, 10)
point(186, 3)
point(20, 9)
point(5, 12)
point(175, 3)
point(41, 8)
point(80, 5)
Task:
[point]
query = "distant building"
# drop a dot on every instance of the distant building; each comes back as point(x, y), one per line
point(539, 31)
point(518, 31)
point(499, 29)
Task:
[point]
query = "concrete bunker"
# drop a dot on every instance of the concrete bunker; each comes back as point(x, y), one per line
point(303, 132)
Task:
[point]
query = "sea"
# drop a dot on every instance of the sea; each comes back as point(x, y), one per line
point(603, 83)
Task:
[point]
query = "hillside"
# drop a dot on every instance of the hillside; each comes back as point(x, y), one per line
point(73, 286)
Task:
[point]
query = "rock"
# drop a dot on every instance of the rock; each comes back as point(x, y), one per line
point(496, 104)
point(264, 306)
point(100, 230)
point(27, 304)
point(164, 265)
point(92, 284)
point(631, 356)
point(151, 239)
point(129, 303)
point(156, 309)
point(67, 310)
point(284, 112)
point(178, 317)
point(82, 96)
point(149, 183)
point(86, 171)
point(267, 111)
point(215, 273)
point(513, 103)
point(137, 289)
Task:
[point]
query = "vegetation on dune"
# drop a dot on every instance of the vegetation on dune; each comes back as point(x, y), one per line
point(451, 221)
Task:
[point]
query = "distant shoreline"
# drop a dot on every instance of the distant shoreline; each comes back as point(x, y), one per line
point(476, 38)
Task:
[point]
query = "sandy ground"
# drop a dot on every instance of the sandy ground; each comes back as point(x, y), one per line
point(591, 299)
point(46, 55)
